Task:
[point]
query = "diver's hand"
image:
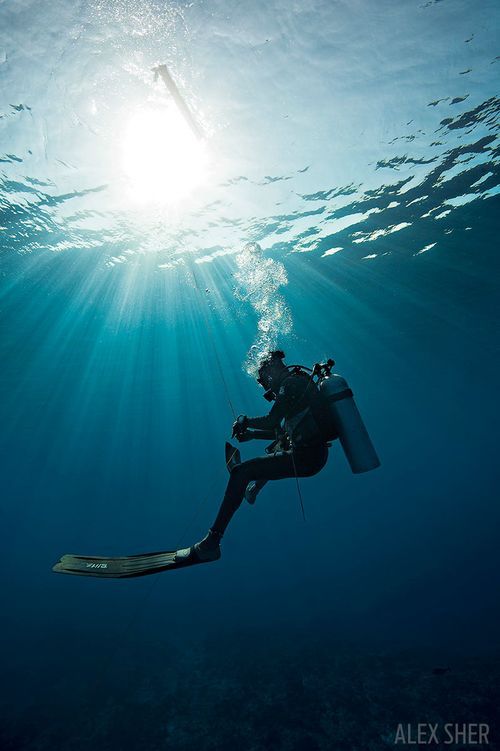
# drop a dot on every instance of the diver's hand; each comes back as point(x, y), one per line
point(239, 427)
point(244, 437)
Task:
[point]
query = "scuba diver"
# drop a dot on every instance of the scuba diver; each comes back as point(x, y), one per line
point(299, 449)
point(312, 408)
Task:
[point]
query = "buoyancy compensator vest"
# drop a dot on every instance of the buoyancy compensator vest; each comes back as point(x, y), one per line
point(305, 424)
point(327, 411)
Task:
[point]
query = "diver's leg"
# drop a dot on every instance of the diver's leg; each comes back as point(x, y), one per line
point(276, 467)
point(253, 489)
point(303, 463)
point(241, 474)
point(233, 457)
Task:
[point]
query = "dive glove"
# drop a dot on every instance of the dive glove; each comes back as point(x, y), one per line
point(239, 427)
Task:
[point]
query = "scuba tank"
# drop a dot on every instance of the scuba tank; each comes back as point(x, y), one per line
point(330, 412)
point(345, 421)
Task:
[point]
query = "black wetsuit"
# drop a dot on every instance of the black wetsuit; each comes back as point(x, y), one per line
point(297, 406)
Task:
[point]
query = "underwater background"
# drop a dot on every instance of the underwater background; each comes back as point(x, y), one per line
point(343, 202)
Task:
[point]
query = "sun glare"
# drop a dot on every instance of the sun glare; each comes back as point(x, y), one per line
point(162, 158)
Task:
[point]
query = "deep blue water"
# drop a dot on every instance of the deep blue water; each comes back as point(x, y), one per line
point(356, 147)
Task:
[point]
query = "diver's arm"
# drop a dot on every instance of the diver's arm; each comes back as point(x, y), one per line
point(273, 420)
point(267, 422)
point(270, 423)
point(249, 435)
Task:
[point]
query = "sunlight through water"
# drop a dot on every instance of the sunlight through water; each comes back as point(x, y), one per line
point(161, 157)
point(184, 187)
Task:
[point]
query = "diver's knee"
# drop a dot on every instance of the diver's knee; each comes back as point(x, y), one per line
point(235, 470)
point(240, 474)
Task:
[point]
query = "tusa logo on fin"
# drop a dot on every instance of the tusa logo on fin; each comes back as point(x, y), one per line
point(97, 565)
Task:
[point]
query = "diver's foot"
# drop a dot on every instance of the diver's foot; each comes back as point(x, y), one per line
point(207, 554)
point(251, 492)
point(206, 550)
point(186, 555)
point(195, 555)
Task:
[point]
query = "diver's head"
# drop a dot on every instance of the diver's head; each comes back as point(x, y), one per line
point(271, 370)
